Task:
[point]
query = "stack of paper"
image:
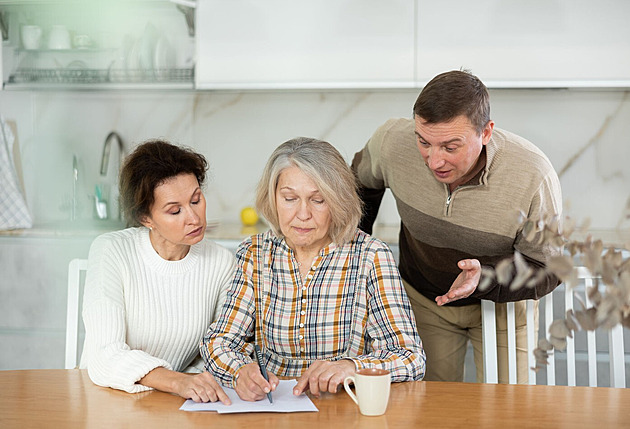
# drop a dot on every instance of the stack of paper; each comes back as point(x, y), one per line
point(283, 402)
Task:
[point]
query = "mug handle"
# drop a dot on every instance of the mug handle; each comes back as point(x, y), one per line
point(346, 385)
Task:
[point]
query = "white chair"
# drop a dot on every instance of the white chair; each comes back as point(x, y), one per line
point(75, 268)
point(615, 336)
point(489, 338)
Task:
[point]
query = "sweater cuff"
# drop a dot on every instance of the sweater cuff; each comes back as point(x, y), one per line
point(125, 375)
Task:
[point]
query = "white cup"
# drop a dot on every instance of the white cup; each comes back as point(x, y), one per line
point(31, 36)
point(59, 38)
point(82, 41)
point(372, 390)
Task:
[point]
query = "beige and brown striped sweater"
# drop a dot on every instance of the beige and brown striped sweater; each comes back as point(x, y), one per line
point(477, 220)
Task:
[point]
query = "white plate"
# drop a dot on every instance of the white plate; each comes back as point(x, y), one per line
point(163, 59)
point(133, 63)
point(146, 48)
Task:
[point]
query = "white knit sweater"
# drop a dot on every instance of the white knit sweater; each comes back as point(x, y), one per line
point(142, 312)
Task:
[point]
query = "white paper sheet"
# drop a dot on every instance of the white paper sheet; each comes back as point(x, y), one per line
point(283, 402)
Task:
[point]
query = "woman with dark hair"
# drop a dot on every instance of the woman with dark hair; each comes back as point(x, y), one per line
point(152, 289)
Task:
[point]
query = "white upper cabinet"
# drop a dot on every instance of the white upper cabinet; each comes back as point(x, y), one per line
point(526, 43)
point(313, 44)
point(293, 44)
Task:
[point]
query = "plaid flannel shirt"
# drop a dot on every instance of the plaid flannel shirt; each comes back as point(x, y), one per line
point(351, 305)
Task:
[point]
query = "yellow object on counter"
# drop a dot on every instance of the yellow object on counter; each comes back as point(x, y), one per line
point(249, 217)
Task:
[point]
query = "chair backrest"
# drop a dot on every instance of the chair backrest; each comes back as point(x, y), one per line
point(616, 355)
point(489, 338)
point(75, 268)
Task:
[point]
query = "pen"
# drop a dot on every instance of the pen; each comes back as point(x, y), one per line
point(263, 370)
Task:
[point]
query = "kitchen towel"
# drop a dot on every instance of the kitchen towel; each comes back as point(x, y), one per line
point(13, 211)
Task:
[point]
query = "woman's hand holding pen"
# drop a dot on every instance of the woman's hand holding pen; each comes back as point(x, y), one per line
point(324, 376)
point(251, 385)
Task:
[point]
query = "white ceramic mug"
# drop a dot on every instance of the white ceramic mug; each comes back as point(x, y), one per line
point(82, 41)
point(31, 36)
point(59, 38)
point(372, 390)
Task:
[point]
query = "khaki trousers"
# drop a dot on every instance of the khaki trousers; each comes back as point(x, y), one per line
point(445, 332)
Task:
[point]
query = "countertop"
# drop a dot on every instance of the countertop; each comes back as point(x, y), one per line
point(92, 228)
point(235, 231)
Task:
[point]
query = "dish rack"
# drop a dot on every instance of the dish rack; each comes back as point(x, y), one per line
point(97, 76)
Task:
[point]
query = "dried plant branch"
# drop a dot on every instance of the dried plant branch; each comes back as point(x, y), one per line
point(609, 295)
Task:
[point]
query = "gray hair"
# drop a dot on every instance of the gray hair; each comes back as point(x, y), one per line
point(323, 164)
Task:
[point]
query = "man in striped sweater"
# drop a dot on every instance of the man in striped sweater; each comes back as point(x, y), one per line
point(459, 184)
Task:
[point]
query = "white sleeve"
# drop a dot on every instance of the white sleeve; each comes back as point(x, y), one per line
point(224, 266)
point(109, 360)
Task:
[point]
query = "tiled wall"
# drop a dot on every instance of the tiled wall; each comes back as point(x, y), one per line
point(583, 132)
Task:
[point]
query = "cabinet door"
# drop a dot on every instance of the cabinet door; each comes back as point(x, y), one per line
point(33, 290)
point(304, 44)
point(524, 43)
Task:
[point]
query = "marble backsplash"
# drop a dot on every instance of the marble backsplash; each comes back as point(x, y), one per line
point(583, 132)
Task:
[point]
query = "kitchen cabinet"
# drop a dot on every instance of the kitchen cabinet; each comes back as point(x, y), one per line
point(300, 44)
point(33, 298)
point(327, 44)
point(70, 44)
point(283, 44)
point(523, 44)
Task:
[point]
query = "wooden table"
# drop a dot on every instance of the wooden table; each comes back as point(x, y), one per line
point(68, 399)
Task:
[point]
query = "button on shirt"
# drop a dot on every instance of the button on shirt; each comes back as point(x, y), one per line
point(350, 305)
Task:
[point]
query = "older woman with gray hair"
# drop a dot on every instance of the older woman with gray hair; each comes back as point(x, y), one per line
point(321, 298)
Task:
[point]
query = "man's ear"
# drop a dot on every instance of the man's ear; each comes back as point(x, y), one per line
point(487, 132)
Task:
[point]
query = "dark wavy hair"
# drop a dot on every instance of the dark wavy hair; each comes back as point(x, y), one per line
point(451, 94)
point(148, 166)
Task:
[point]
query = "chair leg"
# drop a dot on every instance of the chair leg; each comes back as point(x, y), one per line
point(489, 337)
point(531, 343)
point(617, 358)
point(511, 341)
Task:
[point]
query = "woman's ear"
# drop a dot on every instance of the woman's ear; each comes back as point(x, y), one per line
point(147, 222)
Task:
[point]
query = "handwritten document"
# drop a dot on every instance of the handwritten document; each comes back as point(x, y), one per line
point(283, 402)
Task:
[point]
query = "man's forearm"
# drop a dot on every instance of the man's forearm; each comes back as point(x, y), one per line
point(371, 203)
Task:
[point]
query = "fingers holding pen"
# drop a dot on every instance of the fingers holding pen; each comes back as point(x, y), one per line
point(251, 385)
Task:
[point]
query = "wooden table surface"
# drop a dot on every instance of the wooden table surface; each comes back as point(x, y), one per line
point(68, 399)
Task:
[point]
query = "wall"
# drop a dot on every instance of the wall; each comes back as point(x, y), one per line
point(584, 133)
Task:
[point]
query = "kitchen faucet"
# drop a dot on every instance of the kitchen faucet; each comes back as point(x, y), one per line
point(101, 203)
point(107, 147)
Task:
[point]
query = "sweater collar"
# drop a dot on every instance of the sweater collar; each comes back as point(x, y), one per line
point(492, 153)
point(160, 264)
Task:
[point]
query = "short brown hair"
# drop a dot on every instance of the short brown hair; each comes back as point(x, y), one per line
point(320, 161)
point(147, 167)
point(451, 94)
